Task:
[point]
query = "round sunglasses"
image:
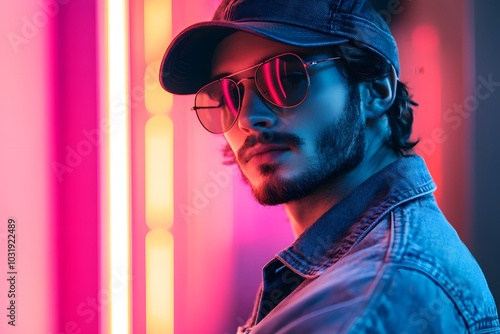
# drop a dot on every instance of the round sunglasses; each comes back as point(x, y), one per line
point(282, 80)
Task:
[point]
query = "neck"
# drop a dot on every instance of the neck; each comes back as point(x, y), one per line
point(304, 212)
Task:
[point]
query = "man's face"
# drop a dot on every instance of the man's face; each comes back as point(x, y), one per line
point(287, 154)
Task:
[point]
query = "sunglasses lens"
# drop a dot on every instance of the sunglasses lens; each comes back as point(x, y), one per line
point(283, 80)
point(217, 105)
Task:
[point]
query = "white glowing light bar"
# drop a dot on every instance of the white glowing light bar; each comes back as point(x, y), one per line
point(118, 173)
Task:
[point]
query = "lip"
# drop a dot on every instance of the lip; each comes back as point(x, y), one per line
point(261, 150)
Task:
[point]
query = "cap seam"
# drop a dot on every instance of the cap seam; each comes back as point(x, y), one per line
point(333, 14)
point(373, 27)
point(229, 13)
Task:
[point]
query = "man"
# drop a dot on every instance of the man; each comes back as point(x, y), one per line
point(307, 95)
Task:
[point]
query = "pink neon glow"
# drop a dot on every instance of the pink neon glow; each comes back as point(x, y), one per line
point(137, 152)
point(271, 82)
point(425, 43)
point(226, 92)
point(277, 75)
point(26, 194)
point(227, 119)
point(425, 38)
point(78, 128)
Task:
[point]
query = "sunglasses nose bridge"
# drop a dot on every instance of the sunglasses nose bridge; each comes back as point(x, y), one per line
point(254, 113)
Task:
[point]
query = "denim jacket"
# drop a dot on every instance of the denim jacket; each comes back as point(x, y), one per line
point(382, 260)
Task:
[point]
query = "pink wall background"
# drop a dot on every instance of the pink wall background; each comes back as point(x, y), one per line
point(26, 189)
point(48, 173)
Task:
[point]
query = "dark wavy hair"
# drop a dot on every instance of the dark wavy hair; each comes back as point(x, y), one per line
point(360, 64)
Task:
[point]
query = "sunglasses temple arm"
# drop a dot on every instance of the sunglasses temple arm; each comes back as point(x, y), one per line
point(196, 108)
point(316, 62)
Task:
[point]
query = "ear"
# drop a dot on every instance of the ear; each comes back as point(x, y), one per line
point(378, 96)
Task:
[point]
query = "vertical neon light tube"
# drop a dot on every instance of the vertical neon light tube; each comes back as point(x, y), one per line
point(118, 172)
point(159, 174)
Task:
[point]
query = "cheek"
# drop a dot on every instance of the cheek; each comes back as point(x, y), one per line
point(321, 110)
point(327, 97)
point(333, 100)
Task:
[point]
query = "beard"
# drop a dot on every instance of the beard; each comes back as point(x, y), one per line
point(340, 148)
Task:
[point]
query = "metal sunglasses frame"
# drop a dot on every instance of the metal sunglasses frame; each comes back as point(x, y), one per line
point(306, 65)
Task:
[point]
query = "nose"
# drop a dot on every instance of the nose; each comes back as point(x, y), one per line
point(255, 114)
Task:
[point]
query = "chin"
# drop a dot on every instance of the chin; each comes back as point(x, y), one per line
point(277, 185)
point(267, 187)
point(275, 189)
point(266, 195)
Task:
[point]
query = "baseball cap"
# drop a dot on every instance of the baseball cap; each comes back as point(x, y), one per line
point(186, 65)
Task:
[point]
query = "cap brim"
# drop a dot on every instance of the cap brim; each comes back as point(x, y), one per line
point(186, 65)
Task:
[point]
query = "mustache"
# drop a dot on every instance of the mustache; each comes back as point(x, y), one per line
point(277, 138)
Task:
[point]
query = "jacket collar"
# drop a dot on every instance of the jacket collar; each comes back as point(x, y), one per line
point(334, 233)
